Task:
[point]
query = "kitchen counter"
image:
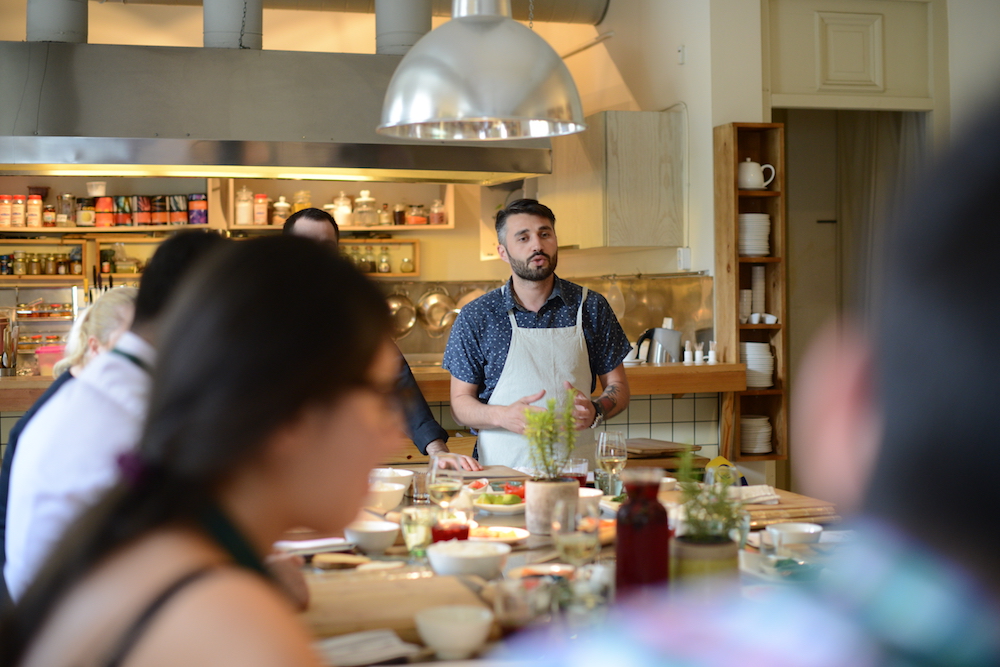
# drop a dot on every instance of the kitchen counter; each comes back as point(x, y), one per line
point(18, 393)
point(646, 379)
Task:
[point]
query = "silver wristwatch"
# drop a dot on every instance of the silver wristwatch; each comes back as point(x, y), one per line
point(598, 414)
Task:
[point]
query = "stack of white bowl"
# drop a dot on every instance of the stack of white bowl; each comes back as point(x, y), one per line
point(755, 234)
point(758, 290)
point(755, 434)
point(760, 364)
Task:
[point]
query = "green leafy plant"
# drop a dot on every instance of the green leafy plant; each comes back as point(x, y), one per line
point(551, 435)
point(710, 513)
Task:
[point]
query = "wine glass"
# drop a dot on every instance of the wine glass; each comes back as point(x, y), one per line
point(416, 523)
point(444, 479)
point(612, 455)
point(575, 531)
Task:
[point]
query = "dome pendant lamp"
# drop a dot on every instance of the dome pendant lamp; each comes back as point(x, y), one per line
point(482, 76)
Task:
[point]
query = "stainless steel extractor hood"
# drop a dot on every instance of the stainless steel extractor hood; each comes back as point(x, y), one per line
point(130, 110)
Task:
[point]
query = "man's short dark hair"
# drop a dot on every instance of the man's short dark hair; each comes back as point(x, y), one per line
point(310, 214)
point(529, 206)
point(170, 263)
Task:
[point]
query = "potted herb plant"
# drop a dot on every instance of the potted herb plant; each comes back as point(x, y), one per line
point(551, 435)
point(704, 554)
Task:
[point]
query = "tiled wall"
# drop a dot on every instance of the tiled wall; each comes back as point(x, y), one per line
point(692, 419)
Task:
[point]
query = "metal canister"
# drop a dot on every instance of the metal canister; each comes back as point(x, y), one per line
point(142, 207)
point(160, 215)
point(85, 212)
point(104, 211)
point(123, 211)
point(177, 209)
point(197, 207)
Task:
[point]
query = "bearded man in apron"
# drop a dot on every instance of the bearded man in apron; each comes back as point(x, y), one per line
point(531, 340)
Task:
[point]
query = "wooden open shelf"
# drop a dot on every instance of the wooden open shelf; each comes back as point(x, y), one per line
point(763, 143)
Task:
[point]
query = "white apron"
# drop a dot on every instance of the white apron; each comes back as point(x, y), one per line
point(538, 359)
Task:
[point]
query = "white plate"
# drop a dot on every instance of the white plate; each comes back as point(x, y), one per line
point(499, 509)
point(311, 547)
point(609, 505)
point(519, 535)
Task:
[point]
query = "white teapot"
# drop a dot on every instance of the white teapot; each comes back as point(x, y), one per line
point(751, 175)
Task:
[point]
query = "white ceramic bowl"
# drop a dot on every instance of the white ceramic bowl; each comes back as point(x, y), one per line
point(372, 537)
point(797, 533)
point(483, 559)
point(454, 631)
point(667, 484)
point(590, 497)
point(392, 475)
point(385, 496)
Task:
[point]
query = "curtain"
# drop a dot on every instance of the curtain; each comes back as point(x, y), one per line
point(878, 153)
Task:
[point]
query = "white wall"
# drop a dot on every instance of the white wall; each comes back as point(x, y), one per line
point(973, 56)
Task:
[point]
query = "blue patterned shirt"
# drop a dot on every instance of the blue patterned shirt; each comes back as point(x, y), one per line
point(480, 338)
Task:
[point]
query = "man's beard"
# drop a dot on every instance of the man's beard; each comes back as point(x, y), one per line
point(526, 271)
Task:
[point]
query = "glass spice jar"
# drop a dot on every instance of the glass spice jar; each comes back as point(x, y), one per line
point(49, 265)
point(34, 265)
point(19, 265)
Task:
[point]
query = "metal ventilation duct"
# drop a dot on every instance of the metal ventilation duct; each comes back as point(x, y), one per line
point(110, 109)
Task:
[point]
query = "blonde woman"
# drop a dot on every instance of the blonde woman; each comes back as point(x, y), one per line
point(97, 329)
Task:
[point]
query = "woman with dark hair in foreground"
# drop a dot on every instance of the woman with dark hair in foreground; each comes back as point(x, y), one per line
point(237, 449)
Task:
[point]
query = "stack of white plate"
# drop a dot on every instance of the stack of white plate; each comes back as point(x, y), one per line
point(755, 434)
point(755, 234)
point(758, 290)
point(760, 364)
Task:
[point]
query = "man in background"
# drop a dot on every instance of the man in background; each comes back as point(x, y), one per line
point(423, 429)
point(67, 455)
point(895, 420)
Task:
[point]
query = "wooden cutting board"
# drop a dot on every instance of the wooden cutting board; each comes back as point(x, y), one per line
point(489, 472)
point(649, 447)
point(343, 603)
point(791, 507)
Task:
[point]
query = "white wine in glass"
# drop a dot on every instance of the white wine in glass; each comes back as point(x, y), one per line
point(444, 479)
point(611, 453)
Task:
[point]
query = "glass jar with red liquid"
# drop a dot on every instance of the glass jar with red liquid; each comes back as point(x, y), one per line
point(451, 525)
point(643, 537)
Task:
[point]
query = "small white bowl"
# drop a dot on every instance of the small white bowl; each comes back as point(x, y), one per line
point(385, 496)
point(797, 533)
point(392, 475)
point(591, 497)
point(456, 557)
point(372, 537)
point(667, 484)
point(454, 631)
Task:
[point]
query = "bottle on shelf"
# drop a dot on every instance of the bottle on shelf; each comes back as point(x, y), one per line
point(4, 210)
point(34, 265)
point(342, 209)
point(20, 266)
point(260, 209)
point(66, 210)
point(244, 206)
point(17, 211)
point(417, 215)
point(399, 214)
point(368, 264)
point(33, 211)
point(282, 209)
point(48, 216)
point(384, 264)
point(406, 266)
point(365, 214)
point(301, 200)
point(438, 214)
point(385, 215)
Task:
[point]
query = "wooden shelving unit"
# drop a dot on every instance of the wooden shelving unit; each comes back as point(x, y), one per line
point(762, 143)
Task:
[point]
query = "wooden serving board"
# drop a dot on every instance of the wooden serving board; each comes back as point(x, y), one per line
point(648, 447)
point(791, 507)
point(343, 603)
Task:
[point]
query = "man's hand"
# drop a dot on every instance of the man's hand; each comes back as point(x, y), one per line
point(439, 447)
point(583, 409)
point(513, 416)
